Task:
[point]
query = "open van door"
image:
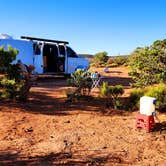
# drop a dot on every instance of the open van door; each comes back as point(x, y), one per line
point(62, 59)
point(50, 58)
point(37, 57)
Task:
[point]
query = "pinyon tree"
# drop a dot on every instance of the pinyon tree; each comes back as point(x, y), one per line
point(148, 64)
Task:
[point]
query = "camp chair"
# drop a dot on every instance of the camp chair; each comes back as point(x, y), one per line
point(95, 82)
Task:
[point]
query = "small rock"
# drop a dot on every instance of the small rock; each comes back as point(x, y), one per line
point(29, 130)
point(79, 138)
point(67, 121)
point(65, 141)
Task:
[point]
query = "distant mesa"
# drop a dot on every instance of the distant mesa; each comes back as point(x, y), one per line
point(5, 36)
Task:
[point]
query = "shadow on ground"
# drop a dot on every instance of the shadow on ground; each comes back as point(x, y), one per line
point(44, 101)
point(160, 127)
point(40, 103)
point(124, 81)
point(60, 159)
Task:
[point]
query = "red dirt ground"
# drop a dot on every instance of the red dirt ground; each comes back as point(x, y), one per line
point(48, 131)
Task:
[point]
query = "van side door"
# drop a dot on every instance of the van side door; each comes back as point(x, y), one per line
point(62, 59)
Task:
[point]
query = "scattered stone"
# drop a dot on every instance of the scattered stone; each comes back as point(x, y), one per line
point(79, 138)
point(68, 121)
point(29, 130)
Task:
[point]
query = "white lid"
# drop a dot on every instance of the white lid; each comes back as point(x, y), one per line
point(148, 98)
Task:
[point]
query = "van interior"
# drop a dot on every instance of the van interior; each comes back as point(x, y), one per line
point(53, 61)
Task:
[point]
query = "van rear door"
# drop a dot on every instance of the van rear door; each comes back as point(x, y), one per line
point(38, 58)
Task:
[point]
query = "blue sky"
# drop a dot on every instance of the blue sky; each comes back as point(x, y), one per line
point(90, 26)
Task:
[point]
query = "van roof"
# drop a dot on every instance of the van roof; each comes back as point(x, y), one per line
point(46, 40)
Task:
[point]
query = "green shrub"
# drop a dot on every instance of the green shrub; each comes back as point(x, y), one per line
point(5, 95)
point(6, 83)
point(117, 61)
point(12, 81)
point(103, 65)
point(158, 92)
point(80, 78)
point(134, 98)
point(9, 87)
point(121, 60)
point(6, 58)
point(110, 60)
point(83, 83)
point(99, 59)
point(148, 65)
point(104, 89)
point(116, 92)
point(112, 65)
point(112, 93)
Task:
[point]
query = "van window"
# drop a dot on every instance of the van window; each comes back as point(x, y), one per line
point(37, 48)
point(71, 53)
point(62, 51)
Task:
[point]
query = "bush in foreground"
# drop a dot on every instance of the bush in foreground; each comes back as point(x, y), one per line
point(15, 83)
point(134, 98)
point(112, 94)
point(82, 82)
point(157, 91)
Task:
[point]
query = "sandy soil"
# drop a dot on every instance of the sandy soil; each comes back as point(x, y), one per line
point(48, 131)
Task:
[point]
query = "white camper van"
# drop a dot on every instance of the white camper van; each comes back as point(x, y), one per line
point(48, 56)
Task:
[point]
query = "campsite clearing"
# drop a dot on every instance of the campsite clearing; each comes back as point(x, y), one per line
point(48, 131)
